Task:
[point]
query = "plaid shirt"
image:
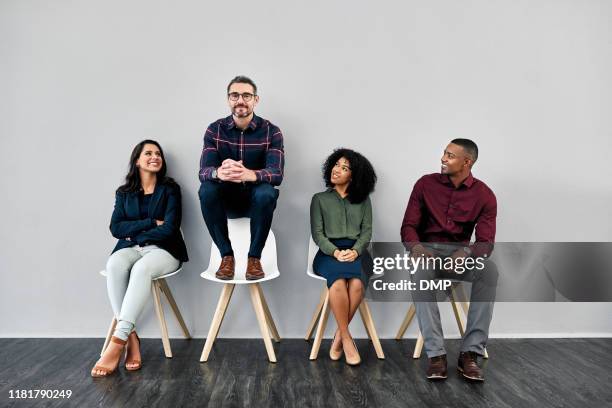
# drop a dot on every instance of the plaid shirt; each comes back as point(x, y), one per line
point(259, 146)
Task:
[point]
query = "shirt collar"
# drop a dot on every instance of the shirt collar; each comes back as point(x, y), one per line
point(333, 191)
point(229, 121)
point(445, 179)
point(468, 181)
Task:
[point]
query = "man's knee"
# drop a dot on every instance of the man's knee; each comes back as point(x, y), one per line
point(264, 195)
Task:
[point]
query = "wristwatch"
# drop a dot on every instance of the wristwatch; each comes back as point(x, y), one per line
point(468, 251)
point(213, 174)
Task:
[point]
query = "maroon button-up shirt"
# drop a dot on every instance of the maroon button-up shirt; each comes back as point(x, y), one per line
point(439, 212)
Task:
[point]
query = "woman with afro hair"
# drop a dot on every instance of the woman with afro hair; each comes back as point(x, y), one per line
point(341, 225)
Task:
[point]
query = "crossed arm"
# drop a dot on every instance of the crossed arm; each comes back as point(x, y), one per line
point(148, 229)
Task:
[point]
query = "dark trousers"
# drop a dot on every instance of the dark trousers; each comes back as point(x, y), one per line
point(222, 200)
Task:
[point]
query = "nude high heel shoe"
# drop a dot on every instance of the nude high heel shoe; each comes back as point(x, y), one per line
point(106, 371)
point(335, 355)
point(356, 361)
point(132, 362)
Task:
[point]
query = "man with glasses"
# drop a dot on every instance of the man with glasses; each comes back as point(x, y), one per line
point(241, 162)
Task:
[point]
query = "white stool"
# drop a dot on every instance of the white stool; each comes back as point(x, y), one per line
point(240, 235)
point(418, 348)
point(322, 313)
point(158, 286)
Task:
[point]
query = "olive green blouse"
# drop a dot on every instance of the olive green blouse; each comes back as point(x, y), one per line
point(332, 216)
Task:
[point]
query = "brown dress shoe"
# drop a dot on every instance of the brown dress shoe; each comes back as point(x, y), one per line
point(254, 270)
point(437, 368)
point(226, 269)
point(468, 366)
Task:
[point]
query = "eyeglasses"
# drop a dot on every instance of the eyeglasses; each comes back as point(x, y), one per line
point(246, 96)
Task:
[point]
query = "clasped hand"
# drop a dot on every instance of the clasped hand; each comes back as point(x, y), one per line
point(235, 172)
point(345, 255)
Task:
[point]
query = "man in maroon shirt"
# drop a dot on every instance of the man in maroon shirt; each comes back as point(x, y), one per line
point(443, 211)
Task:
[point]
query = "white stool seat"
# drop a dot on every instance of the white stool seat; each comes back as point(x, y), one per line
point(239, 231)
point(314, 275)
point(240, 234)
point(312, 252)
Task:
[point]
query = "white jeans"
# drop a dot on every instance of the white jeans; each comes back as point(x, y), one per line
point(129, 273)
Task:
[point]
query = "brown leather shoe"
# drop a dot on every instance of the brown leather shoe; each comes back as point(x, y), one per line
point(226, 269)
point(468, 366)
point(254, 270)
point(437, 368)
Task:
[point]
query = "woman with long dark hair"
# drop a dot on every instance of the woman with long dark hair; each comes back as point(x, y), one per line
point(341, 225)
point(146, 220)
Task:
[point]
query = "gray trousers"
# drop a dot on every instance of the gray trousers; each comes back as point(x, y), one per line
point(484, 285)
point(129, 273)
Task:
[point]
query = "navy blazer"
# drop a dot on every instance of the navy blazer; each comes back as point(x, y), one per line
point(165, 205)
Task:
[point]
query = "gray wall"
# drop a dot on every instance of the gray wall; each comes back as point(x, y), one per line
point(82, 82)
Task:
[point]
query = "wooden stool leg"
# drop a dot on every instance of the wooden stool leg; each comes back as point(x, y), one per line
point(261, 319)
point(269, 320)
point(407, 320)
point(364, 320)
point(366, 316)
point(314, 352)
point(464, 303)
point(315, 317)
point(160, 317)
point(215, 325)
point(418, 347)
point(223, 311)
point(166, 291)
point(109, 334)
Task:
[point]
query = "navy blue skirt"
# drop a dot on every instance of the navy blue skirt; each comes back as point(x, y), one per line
point(331, 269)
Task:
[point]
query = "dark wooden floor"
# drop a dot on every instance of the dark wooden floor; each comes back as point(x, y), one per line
point(520, 373)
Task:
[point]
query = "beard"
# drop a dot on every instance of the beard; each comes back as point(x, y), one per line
point(241, 111)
